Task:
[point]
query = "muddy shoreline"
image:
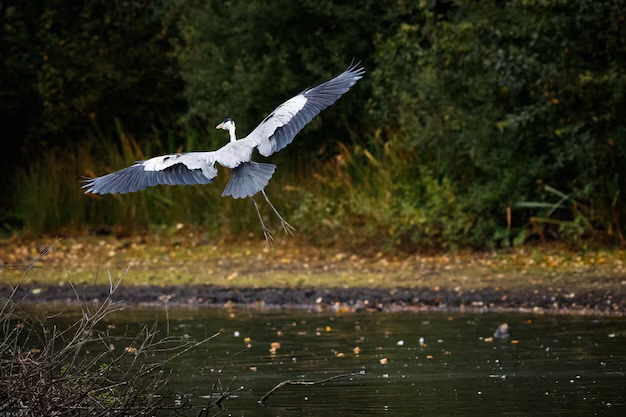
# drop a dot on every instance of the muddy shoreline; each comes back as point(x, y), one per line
point(345, 299)
point(184, 270)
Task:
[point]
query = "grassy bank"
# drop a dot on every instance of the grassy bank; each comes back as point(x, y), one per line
point(187, 258)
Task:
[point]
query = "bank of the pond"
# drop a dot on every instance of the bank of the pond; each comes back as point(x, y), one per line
point(188, 269)
point(341, 299)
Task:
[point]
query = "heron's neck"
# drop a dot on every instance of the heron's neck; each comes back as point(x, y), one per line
point(231, 133)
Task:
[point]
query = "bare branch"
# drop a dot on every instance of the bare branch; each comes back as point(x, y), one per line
point(292, 382)
point(28, 269)
point(50, 370)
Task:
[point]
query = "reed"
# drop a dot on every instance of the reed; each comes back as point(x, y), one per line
point(383, 196)
point(49, 197)
point(377, 194)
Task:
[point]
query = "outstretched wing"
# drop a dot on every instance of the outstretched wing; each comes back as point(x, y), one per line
point(176, 169)
point(283, 124)
point(273, 134)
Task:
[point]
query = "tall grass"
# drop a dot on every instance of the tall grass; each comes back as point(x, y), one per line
point(379, 195)
point(374, 193)
point(50, 198)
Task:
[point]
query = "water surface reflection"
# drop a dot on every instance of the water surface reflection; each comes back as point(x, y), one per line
point(415, 364)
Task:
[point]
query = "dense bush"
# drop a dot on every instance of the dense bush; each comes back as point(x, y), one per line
point(69, 64)
point(68, 69)
point(504, 99)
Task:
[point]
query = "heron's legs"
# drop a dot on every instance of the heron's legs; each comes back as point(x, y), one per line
point(286, 226)
point(266, 231)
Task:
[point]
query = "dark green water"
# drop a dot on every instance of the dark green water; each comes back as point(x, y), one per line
point(560, 365)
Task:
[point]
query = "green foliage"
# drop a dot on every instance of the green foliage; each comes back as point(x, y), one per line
point(467, 110)
point(573, 229)
point(50, 199)
point(241, 59)
point(85, 61)
point(381, 195)
point(501, 98)
point(65, 66)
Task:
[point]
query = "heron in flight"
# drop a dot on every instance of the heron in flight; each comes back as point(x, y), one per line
point(247, 177)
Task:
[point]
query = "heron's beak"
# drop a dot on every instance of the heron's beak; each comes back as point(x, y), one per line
point(220, 126)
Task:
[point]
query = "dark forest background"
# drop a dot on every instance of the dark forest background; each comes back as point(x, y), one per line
point(478, 123)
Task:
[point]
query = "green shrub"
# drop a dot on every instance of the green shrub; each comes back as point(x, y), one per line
point(502, 98)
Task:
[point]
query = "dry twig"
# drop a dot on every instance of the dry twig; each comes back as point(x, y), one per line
point(77, 369)
point(292, 382)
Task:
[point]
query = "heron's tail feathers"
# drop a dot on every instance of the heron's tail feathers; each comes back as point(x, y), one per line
point(248, 179)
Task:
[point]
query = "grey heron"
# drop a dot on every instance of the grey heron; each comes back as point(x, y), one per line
point(248, 178)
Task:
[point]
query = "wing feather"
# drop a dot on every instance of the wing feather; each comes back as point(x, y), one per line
point(177, 169)
point(279, 128)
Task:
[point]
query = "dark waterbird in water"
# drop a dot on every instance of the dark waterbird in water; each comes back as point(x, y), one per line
point(247, 177)
point(503, 331)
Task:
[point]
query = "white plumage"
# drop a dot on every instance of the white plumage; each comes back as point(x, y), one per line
point(275, 132)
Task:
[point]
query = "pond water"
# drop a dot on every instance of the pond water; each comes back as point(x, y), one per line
point(431, 364)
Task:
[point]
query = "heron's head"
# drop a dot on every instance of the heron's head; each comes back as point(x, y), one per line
point(227, 124)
